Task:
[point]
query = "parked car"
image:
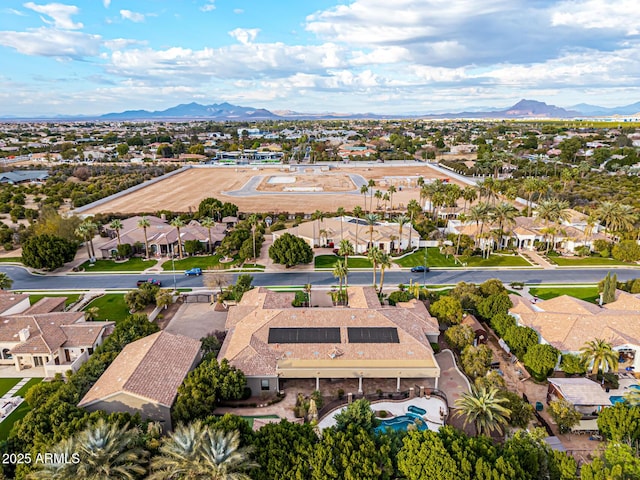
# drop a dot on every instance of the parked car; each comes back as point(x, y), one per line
point(419, 269)
point(195, 271)
point(152, 281)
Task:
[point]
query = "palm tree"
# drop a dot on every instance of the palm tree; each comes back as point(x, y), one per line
point(479, 214)
point(144, 223)
point(384, 262)
point(378, 196)
point(345, 249)
point(104, 451)
point(178, 223)
point(505, 214)
point(253, 221)
point(553, 211)
point(116, 225)
point(364, 190)
point(483, 407)
point(317, 215)
point(386, 198)
point(357, 213)
point(5, 281)
point(391, 190)
point(601, 353)
point(530, 186)
point(371, 183)
point(371, 219)
point(469, 194)
point(616, 217)
point(374, 255)
point(340, 271)
point(196, 451)
point(341, 212)
point(633, 396)
point(413, 207)
point(208, 223)
point(91, 313)
point(83, 232)
point(92, 229)
point(401, 220)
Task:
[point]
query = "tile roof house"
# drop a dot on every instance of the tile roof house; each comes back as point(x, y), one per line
point(269, 340)
point(145, 376)
point(568, 323)
point(44, 336)
point(162, 237)
point(329, 231)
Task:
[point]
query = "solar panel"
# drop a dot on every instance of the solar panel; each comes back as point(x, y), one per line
point(304, 335)
point(373, 335)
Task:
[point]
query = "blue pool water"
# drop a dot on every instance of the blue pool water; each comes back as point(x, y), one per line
point(619, 398)
point(402, 422)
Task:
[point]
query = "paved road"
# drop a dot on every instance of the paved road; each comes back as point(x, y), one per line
point(23, 280)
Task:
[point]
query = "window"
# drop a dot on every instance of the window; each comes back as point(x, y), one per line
point(264, 384)
point(6, 354)
point(90, 350)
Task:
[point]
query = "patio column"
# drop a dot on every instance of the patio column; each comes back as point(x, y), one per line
point(360, 384)
point(398, 384)
point(436, 383)
point(318, 383)
point(16, 360)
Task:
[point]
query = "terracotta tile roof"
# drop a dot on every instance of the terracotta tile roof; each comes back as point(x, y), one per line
point(568, 323)
point(8, 300)
point(46, 305)
point(152, 368)
point(246, 345)
point(83, 334)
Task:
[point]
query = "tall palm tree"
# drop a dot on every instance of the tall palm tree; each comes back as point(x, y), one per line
point(601, 353)
point(371, 183)
point(384, 262)
point(483, 407)
point(553, 211)
point(5, 281)
point(208, 223)
point(178, 223)
point(196, 451)
point(116, 225)
point(341, 212)
point(374, 255)
point(616, 217)
point(371, 219)
point(391, 190)
point(633, 396)
point(505, 214)
point(253, 220)
point(104, 451)
point(452, 194)
point(83, 232)
point(144, 223)
point(345, 248)
point(357, 213)
point(469, 194)
point(340, 271)
point(317, 215)
point(479, 214)
point(364, 190)
point(378, 196)
point(92, 229)
point(401, 220)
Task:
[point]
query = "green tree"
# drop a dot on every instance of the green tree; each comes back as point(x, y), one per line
point(116, 224)
point(618, 462)
point(475, 361)
point(47, 252)
point(290, 250)
point(164, 298)
point(50, 222)
point(459, 336)
point(243, 284)
point(484, 408)
point(541, 359)
point(501, 323)
point(351, 454)
point(626, 251)
point(520, 339)
point(521, 411)
point(103, 451)
point(129, 330)
point(620, 422)
point(282, 450)
point(573, 364)
point(5, 281)
point(600, 355)
point(375, 256)
point(358, 414)
point(384, 262)
point(424, 456)
point(197, 451)
point(495, 304)
point(204, 388)
point(340, 271)
point(122, 149)
point(144, 223)
point(564, 414)
point(178, 223)
point(448, 310)
point(208, 223)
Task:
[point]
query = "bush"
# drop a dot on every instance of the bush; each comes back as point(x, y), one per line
point(435, 347)
point(125, 250)
point(583, 251)
point(520, 339)
point(540, 359)
point(626, 251)
point(564, 414)
point(573, 364)
point(289, 250)
point(501, 323)
point(300, 300)
point(399, 296)
point(459, 336)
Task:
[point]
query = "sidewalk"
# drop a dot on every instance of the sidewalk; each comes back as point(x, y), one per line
point(538, 259)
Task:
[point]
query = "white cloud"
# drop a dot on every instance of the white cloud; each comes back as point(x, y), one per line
point(622, 15)
point(122, 43)
point(238, 11)
point(133, 16)
point(49, 42)
point(59, 13)
point(209, 6)
point(13, 11)
point(380, 55)
point(106, 3)
point(245, 35)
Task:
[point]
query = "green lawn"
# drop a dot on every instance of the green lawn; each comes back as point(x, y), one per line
point(434, 259)
point(111, 307)
point(498, 261)
point(205, 262)
point(329, 261)
point(10, 259)
point(578, 261)
point(590, 294)
point(18, 413)
point(250, 419)
point(71, 298)
point(6, 384)
point(132, 265)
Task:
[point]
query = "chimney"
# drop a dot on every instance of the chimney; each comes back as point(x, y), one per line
point(24, 334)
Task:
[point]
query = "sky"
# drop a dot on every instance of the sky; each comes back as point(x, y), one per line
point(381, 56)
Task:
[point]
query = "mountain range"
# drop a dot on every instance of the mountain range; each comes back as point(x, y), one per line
point(227, 112)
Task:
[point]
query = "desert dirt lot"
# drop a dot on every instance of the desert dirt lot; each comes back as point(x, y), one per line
point(183, 192)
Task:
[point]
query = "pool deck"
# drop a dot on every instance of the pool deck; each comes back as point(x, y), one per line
point(432, 405)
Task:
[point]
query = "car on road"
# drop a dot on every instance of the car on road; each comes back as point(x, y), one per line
point(195, 271)
point(419, 269)
point(152, 281)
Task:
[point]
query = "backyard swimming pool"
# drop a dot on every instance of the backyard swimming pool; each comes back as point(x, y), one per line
point(403, 422)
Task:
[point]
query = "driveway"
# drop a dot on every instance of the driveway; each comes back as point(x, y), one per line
point(196, 320)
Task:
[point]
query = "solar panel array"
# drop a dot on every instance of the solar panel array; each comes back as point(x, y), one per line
point(304, 335)
point(373, 335)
